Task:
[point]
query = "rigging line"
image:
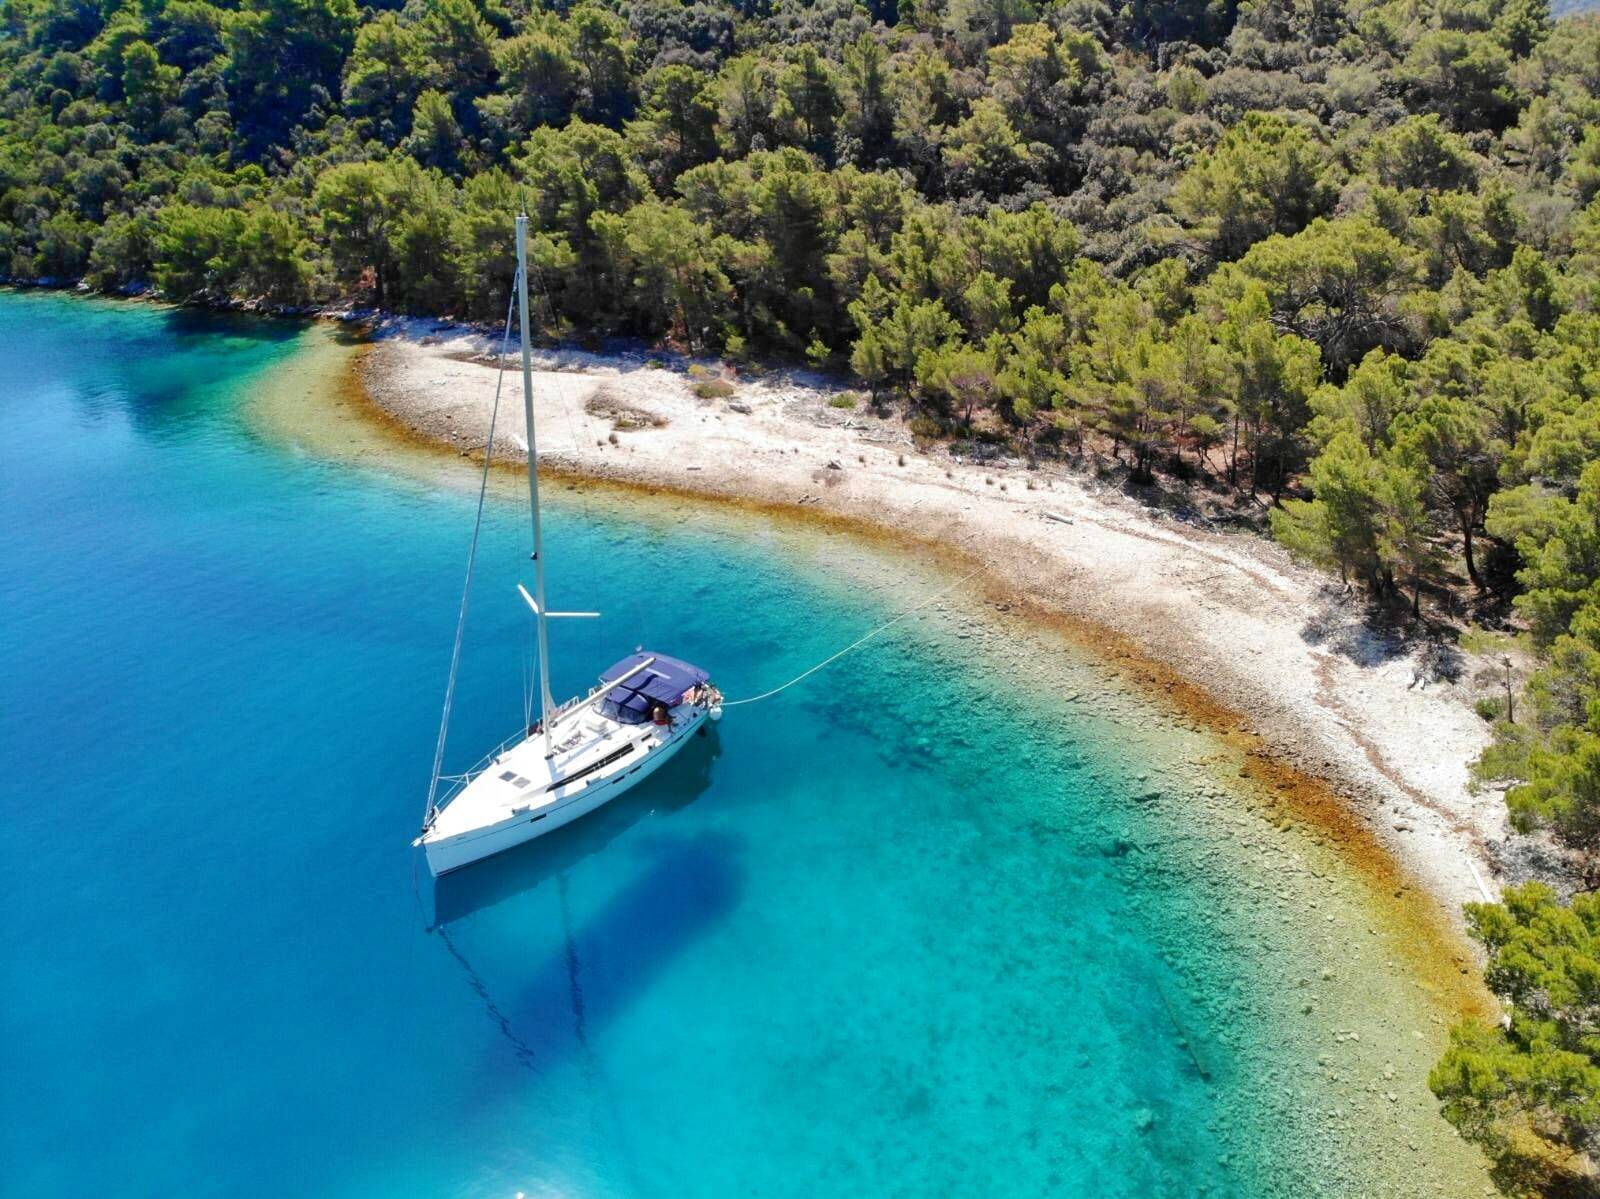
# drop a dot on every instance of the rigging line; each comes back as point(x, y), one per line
point(545, 302)
point(466, 587)
point(856, 644)
point(520, 1049)
point(574, 984)
point(600, 1082)
point(525, 661)
point(586, 532)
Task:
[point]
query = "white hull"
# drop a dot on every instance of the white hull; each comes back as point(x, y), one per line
point(451, 851)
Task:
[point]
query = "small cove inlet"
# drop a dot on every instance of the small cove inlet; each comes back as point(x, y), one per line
point(868, 944)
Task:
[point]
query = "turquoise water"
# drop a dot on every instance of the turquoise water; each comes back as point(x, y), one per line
point(899, 932)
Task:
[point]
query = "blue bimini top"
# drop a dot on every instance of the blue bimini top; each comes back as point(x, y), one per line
point(664, 682)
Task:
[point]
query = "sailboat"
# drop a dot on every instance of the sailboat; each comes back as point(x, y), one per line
point(582, 753)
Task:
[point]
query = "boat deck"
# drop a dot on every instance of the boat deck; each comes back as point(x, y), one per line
point(588, 747)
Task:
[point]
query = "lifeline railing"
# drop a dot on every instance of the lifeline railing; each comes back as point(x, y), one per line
point(459, 781)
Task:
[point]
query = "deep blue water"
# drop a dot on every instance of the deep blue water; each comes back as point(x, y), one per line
point(856, 943)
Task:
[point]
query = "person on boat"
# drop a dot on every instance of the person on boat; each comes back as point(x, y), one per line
point(658, 714)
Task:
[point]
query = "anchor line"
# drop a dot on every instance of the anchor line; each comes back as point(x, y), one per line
point(854, 645)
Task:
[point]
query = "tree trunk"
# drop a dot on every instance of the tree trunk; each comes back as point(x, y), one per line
point(1416, 595)
point(1255, 459)
point(1472, 565)
point(680, 310)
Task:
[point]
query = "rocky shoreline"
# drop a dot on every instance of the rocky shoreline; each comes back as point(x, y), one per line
point(1221, 620)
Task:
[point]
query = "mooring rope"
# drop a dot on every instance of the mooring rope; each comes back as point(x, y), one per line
point(472, 558)
point(856, 644)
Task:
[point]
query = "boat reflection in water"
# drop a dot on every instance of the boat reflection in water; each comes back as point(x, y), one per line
point(608, 959)
point(517, 871)
point(680, 885)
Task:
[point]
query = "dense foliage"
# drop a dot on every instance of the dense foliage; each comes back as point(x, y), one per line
point(1344, 245)
point(1161, 228)
point(1538, 1075)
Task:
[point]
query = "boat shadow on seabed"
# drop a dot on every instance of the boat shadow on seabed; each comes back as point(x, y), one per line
point(687, 885)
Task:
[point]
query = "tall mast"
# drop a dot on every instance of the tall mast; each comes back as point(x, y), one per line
point(545, 702)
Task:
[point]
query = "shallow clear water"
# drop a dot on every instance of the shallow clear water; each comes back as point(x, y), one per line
point(901, 931)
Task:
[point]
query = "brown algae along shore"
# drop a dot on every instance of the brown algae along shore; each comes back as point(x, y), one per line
point(1361, 965)
point(1335, 940)
point(1385, 723)
point(322, 401)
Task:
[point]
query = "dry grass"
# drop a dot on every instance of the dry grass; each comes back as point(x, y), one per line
point(622, 414)
point(713, 389)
